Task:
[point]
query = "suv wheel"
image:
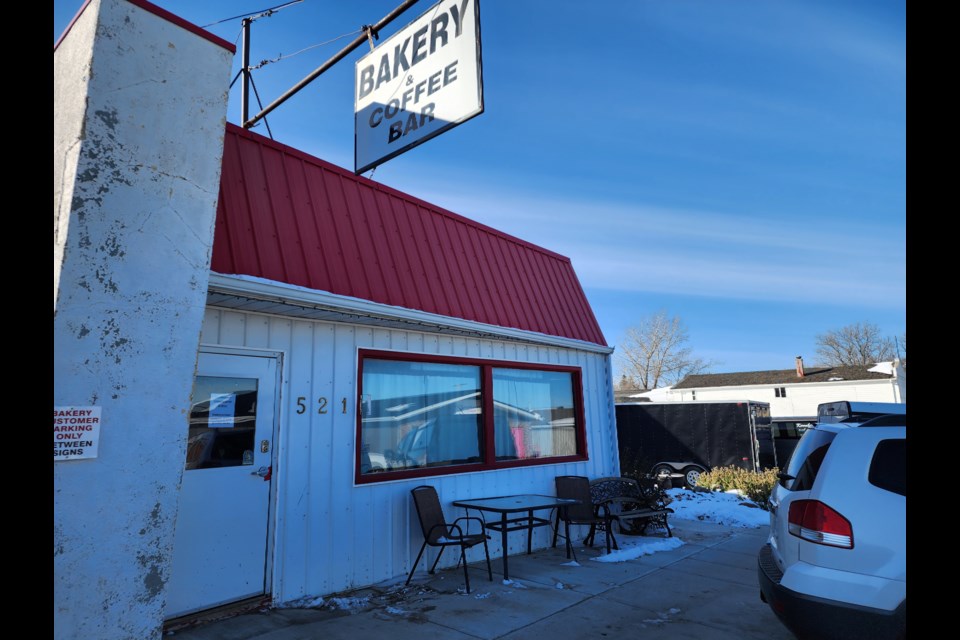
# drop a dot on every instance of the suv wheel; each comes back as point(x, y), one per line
point(691, 475)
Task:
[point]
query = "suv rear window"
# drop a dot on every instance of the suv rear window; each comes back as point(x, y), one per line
point(888, 469)
point(806, 459)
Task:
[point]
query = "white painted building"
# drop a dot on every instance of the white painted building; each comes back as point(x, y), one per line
point(793, 394)
point(294, 368)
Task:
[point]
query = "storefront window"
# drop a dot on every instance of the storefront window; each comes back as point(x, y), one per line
point(419, 414)
point(450, 415)
point(533, 414)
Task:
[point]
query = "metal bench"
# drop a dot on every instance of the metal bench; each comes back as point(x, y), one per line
point(633, 505)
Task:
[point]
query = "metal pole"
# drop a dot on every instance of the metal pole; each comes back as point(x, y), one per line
point(245, 70)
point(329, 63)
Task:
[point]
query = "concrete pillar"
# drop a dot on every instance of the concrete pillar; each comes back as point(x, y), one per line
point(140, 100)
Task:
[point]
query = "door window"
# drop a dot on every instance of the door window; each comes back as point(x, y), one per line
point(223, 417)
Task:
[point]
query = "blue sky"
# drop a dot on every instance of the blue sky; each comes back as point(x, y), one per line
point(738, 163)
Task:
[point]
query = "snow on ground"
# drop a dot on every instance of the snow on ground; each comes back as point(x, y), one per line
point(312, 602)
point(348, 604)
point(632, 547)
point(730, 508)
point(307, 602)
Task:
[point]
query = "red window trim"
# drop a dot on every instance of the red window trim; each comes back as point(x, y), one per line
point(486, 394)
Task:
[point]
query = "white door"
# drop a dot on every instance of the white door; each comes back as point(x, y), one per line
point(220, 544)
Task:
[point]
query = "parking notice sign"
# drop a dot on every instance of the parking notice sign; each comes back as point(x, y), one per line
point(76, 433)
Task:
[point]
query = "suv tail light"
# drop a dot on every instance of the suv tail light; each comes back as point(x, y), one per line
point(814, 521)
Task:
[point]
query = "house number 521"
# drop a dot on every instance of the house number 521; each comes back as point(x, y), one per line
point(321, 405)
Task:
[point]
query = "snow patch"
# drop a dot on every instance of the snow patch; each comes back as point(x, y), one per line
point(572, 563)
point(307, 602)
point(348, 604)
point(883, 367)
point(632, 548)
point(514, 584)
point(716, 506)
point(664, 616)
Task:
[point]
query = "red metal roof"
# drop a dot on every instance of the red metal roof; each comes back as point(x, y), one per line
point(289, 217)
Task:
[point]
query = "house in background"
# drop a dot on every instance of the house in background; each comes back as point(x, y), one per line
point(793, 394)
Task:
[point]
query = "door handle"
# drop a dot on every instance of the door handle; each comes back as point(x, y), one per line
point(263, 472)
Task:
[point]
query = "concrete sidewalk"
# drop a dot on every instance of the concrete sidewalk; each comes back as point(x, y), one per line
point(706, 589)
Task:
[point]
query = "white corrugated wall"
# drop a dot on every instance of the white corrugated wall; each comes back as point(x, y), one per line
point(332, 535)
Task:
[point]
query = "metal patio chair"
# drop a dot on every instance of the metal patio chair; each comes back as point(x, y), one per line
point(578, 488)
point(438, 533)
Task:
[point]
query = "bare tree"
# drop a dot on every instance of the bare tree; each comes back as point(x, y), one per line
point(626, 383)
point(655, 353)
point(860, 343)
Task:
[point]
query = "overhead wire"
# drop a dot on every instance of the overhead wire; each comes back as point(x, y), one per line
point(313, 46)
point(262, 13)
point(266, 13)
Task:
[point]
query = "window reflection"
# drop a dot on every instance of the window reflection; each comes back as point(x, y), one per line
point(533, 414)
point(223, 416)
point(419, 414)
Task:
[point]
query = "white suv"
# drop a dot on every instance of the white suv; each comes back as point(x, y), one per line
point(835, 565)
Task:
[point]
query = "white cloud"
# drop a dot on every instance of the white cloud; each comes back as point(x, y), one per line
point(644, 247)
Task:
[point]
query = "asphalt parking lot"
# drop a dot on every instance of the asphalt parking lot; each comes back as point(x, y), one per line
point(705, 589)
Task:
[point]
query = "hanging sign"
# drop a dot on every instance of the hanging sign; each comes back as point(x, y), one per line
point(76, 433)
point(423, 80)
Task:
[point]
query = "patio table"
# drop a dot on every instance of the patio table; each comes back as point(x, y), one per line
point(509, 507)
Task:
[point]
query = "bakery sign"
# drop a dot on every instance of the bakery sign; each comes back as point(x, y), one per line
point(423, 80)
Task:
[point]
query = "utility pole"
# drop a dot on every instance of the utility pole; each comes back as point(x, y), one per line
point(245, 70)
point(364, 37)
